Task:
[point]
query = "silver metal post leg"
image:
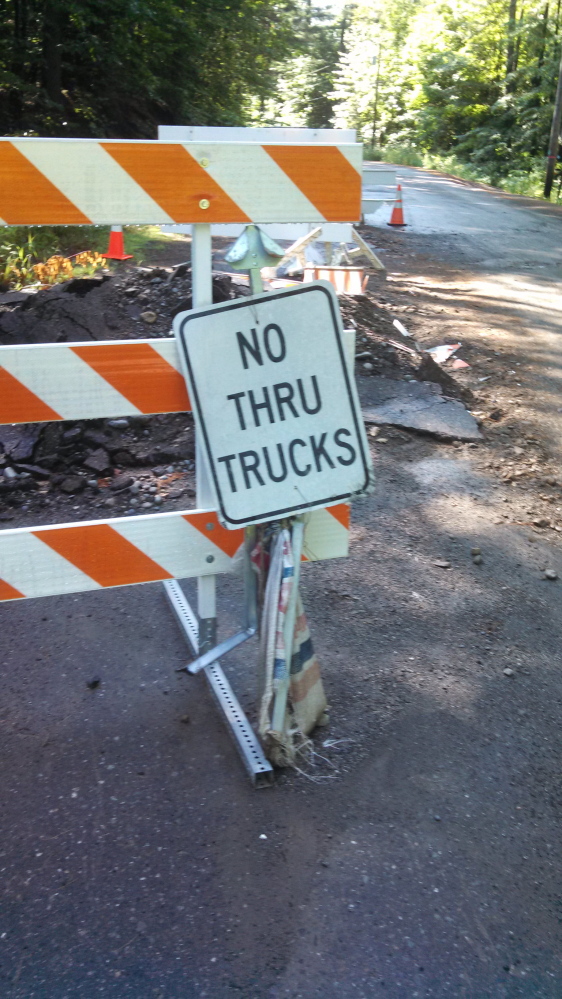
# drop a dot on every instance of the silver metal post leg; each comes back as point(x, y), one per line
point(202, 635)
point(245, 739)
point(202, 294)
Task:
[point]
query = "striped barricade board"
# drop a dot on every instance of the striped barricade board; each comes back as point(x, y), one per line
point(72, 558)
point(86, 181)
point(48, 382)
point(89, 381)
point(86, 381)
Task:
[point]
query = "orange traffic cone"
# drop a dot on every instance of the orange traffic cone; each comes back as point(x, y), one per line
point(116, 248)
point(397, 217)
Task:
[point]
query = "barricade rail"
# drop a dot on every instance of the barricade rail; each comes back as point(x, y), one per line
point(85, 181)
point(48, 382)
point(89, 182)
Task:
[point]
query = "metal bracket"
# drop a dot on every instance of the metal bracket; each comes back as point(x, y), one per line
point(245, 739)
point(219, 650)
point(207, 633)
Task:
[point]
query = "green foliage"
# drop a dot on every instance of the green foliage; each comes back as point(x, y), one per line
point(120, 67)
point(403, 155)
point(470, 79)
point(299, 86)
point(16, 261)
point(527, 182)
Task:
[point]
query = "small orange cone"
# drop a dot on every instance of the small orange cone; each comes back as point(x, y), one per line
point(397, 217)
point(116, 248)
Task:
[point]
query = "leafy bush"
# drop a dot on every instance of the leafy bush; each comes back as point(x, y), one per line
point(526, 182)
point(16, 263)
point(371, 152)
point(403, 155)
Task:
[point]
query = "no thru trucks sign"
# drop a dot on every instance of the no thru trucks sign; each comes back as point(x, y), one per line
point(275, 404)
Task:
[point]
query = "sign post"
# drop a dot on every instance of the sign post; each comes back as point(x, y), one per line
point(202, 295)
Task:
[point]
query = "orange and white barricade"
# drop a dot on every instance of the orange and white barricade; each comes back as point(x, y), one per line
point(87, 181)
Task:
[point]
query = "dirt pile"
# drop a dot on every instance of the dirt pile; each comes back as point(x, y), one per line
point(131, 464)
point(136, 302)
point(135, 463)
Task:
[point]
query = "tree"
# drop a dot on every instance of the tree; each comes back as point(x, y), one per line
point(120, 67)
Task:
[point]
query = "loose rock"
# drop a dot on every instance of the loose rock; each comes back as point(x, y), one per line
point(98, 461)
point(73, 484)
point(122, 482)
point(120, 424)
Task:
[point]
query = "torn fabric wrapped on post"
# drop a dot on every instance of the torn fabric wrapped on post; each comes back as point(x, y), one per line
point(292, 688)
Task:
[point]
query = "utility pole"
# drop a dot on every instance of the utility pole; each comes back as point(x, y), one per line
point(554, 136)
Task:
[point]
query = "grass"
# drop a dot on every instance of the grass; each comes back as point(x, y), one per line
point(526, 182)
point(404, 155)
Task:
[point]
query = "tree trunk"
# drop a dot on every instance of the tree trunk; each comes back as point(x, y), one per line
point(511, 50)
point(20, 37)
point(52, 50)
point(544, 34)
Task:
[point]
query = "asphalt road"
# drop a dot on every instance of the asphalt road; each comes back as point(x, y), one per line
point(131, 851)
point(498, 230)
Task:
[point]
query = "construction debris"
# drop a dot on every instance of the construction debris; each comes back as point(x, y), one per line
point(416, 406)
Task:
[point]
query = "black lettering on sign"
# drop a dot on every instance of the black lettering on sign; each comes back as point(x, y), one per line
point(274, 343)
point(256, 406)
point(292, 446)
point(282, 462)
point(319, 451)
point(318, 404)
point(352, 452)
point(249, 348)
point(236, 396)
point(284, 393)
point(250, 462)
point(227, 460)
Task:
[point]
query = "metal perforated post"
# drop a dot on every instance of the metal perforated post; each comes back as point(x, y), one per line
point(202, 295)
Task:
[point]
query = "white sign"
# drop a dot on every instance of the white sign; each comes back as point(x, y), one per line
point(275, 404)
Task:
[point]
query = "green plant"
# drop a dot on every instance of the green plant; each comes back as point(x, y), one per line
point(16, 263)
point(518, 181)
point(371, 152)
point(402, 154)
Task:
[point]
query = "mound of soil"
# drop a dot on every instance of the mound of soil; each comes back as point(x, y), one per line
point(137, 302)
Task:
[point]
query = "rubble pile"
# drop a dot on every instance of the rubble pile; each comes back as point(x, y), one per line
point(136, 302)
point(132, 464)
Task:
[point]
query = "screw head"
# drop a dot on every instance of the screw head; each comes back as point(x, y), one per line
point(210, 558)
point(204, 162)
point(210, 527)
point(204, 203)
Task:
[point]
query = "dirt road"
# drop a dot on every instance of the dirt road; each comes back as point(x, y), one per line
point(422, 859)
